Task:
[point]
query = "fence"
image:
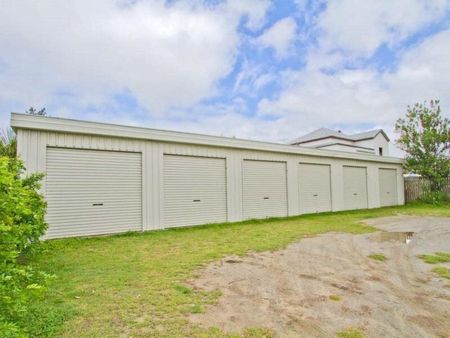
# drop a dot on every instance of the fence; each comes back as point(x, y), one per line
point(415, 187)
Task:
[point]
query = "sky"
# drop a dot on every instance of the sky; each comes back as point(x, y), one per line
point(255, 69)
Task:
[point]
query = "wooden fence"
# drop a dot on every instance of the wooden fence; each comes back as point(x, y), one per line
point(415, 187)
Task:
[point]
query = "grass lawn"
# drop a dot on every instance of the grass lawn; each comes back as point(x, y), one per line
point(133, 284)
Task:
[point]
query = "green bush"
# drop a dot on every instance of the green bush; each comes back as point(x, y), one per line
point(435, 197)
point(22, 211)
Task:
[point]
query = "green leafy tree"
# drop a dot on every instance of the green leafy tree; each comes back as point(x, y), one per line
point(8, 143)
point(34, 111)
point(425, 137)
point(22, 223)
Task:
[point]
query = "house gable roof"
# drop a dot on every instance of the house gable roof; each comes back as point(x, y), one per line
point(324, 133)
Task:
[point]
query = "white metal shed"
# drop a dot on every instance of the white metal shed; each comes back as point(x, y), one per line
point(104, 178)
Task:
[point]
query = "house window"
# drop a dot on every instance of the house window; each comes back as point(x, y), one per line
point(380, 151)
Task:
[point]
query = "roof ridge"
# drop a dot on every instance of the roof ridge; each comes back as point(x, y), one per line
point(324, 132)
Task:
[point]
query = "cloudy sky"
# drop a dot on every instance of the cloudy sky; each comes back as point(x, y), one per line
point(259, 69)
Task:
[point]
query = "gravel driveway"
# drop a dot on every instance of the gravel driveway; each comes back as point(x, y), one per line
point(289, 290)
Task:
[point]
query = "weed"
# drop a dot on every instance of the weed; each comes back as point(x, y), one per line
point(378, 257)
point(438, 257)
point(442, 271)
point(351, 333)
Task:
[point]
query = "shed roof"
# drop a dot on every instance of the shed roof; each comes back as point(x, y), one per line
point(63, 125)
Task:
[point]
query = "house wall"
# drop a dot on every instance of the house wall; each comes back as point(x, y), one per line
point(32, 147)
point(325, 141)
point(348, 148)
point(378, 141)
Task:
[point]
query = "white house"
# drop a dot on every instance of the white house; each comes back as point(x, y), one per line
point(370, 142)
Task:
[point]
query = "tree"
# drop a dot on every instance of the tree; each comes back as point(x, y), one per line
point(8, 143)
point(22, 223)
point(425, 137)
point(34, 111)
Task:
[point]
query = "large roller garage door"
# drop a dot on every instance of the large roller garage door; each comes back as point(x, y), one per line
point(314, 188)
point(264, 189)
point(194, 190)
point(388, 187)
point(91, 192)
point(355, 188)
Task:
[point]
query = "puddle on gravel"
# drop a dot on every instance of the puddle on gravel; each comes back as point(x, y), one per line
point(404, 237)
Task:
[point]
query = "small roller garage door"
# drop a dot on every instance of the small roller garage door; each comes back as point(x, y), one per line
point(194, 190)
point(314, 188)
point(388, 187)
point(355, 188)
point(92, 192)
point(264, 189)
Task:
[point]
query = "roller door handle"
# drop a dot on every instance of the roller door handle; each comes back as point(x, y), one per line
point(97, 204)
point(355, 193)
point(266, 198)
point(387, 192)
point(315, 195)
point(195, 200)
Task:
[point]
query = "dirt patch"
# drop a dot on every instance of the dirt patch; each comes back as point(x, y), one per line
point(289, 291)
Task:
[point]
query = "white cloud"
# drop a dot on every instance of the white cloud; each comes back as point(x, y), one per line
point(424, 72)
point(360, 27)
point(254, 10)
point(171, 56)
point(165, 55)
point(280, 36)
point(354, 98)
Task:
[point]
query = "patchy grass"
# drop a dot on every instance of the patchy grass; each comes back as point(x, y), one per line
point(438, 257)
point(335, 298)
point(378, 257)
point(134, 284)
point(351, 333)
point(442, 272)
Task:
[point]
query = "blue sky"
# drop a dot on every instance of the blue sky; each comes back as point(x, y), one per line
point(259, 69)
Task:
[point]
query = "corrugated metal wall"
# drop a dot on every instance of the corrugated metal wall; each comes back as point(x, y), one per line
point(32, 145)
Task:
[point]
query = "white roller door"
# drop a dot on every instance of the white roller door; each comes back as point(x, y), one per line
point(314, 188)
point(355, 188)
point(264, 189)
point(91, 192)
point(194, 190)
point(388, 187)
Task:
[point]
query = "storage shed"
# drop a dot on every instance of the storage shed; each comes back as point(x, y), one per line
point(104, 178)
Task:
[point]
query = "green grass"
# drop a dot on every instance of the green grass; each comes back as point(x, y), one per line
point(135, 284)
point(442, 272)
point(438, 257)
point(335, 298)
point(378, 257)
point(351, 333)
